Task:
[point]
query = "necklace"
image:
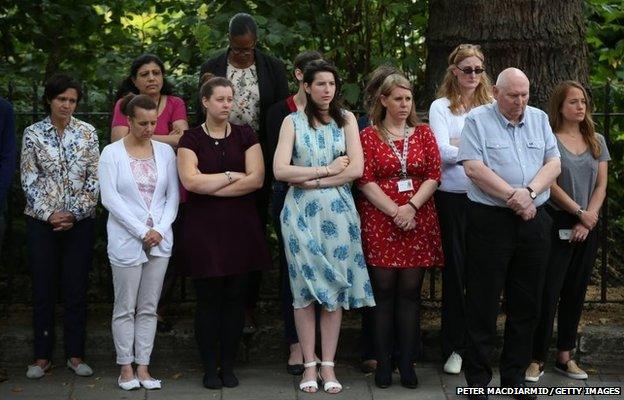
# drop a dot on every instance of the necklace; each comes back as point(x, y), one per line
point(216, 141)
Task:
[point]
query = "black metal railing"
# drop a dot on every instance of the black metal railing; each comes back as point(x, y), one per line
point(14, 281)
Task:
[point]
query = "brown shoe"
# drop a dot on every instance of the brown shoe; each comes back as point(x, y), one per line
point(571, 370)
point(534, 372)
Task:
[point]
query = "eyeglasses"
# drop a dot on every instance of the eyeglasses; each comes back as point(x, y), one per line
point(469, 71)
point(242, 51)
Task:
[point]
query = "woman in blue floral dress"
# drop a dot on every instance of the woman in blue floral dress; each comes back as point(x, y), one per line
point(319, 154)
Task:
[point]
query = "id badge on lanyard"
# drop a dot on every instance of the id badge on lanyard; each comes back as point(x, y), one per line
point(404, 184)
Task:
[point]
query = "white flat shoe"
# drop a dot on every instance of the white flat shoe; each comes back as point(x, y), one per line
point(311, 384)
point(81, 369)
point(151, 384)
point(128, 385)
point(453, 364)
point(35, 372)
point(327, 384)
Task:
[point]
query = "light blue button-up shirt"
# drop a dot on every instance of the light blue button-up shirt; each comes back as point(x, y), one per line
point(514, 152)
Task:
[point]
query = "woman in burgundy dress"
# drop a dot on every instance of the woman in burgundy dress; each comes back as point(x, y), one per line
point(400, 231)
point(221, 166)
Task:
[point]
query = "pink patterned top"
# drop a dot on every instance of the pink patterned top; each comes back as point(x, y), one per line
point(145, 174)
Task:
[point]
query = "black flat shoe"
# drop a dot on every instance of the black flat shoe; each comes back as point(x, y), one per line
point(212, 382)
point(228, 379)
point(295, 369)
point(408, 378)
point(383, 376)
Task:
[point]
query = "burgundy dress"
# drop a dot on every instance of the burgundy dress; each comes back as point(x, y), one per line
point(222, 235)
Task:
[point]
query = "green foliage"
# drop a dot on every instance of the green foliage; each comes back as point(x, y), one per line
point(605, 37)
point(95, 41)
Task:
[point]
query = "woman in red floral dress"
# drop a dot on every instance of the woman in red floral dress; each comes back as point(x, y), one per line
point(400, 231)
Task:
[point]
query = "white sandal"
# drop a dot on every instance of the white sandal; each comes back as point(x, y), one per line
point(329, 385)
point(311, 384)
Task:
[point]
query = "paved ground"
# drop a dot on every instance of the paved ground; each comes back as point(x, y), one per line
point(267, 382)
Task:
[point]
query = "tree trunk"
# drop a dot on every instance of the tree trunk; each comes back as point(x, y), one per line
point(544, 38)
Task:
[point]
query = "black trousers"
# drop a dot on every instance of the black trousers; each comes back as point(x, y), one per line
point(219, 320)
point(452, 216)
point(503, 252)
point(59, 259)
point(567, 276)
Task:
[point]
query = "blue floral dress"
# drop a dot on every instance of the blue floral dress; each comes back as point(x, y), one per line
point(321, 229)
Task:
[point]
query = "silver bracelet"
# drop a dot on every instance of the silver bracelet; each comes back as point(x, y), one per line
point(229, 176)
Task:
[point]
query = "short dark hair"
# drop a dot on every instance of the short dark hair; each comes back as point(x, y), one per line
point(335, 108)
point(57, 84)
point(242, 24)
point(132, 101)
point(305, 58)
point(127, 86)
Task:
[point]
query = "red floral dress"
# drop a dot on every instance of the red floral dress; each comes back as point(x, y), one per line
point(386, 245)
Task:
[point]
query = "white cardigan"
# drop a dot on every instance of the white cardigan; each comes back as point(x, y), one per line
point(128, 213)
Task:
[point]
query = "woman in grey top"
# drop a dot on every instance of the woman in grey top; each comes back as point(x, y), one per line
point(575, 203)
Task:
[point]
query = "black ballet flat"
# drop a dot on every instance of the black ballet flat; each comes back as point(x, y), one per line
point(383, 376)
point(212, 381)
point(228, 379)
point(409, 379)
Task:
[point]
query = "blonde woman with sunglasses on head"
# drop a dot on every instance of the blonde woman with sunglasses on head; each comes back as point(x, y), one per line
point(466, 85)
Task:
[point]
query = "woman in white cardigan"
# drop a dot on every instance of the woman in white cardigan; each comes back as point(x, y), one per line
point(139, 187)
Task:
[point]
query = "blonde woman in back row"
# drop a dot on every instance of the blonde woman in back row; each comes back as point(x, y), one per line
point(465, 85)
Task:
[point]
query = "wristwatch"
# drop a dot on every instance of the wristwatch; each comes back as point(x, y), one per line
point(579, 212)
point(531, 193)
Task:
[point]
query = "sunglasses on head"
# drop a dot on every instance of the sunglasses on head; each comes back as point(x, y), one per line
point(469, 70)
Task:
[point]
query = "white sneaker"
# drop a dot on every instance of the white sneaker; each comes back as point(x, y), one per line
point(453, 364)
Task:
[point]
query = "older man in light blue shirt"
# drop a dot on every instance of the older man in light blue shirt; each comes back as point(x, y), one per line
point(510, 154)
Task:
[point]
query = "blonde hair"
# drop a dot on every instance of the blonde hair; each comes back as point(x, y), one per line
point(450, 87)
point(378, 111)
point(586, 126)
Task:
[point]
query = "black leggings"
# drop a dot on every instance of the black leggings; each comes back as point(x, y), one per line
point(219, 320)
point(397, 294)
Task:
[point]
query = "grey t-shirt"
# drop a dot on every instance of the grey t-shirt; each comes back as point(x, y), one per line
point(579, 173)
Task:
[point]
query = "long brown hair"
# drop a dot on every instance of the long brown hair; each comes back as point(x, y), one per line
point(311, 109)
point(450, 87)
point(378, 111)
point(586, 126)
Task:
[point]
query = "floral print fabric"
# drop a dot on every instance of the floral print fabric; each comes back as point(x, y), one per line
point(385, 244)
point(321, 229)
point(246, 109)
point(145, 175)
point(59, 173)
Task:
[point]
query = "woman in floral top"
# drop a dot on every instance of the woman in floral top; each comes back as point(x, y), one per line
point(59, 164)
